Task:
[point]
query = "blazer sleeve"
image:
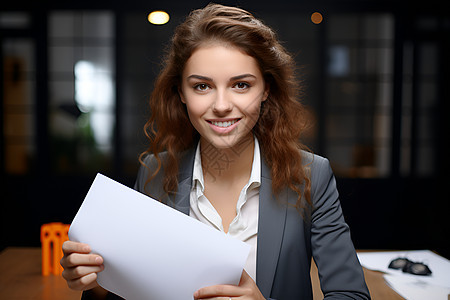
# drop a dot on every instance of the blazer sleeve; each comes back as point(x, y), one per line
point(340, 273)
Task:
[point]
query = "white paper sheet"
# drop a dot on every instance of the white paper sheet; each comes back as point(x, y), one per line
point(152, 251)
point(416, 289)
point(439, 266)
point(412, 287)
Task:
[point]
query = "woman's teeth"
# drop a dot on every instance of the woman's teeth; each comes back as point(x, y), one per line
point(224, 124)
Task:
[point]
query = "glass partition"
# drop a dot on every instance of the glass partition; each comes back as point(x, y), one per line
point(18, 104)
point(81, 90)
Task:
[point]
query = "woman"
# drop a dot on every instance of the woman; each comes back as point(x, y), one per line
point(225, 148)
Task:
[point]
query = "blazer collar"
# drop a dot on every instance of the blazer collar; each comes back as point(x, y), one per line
point(272, 217)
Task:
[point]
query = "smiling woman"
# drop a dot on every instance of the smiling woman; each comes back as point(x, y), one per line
point(224, 148)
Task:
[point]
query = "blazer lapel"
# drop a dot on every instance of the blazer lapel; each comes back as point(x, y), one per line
point(180, 201)
point(272, 217)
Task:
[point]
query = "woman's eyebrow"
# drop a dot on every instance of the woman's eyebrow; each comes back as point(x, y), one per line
point(234, 78)
point(200, 77)
point(242, 76)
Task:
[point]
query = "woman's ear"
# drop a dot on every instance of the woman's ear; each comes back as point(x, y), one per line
point(180, 92)
point(266, 92)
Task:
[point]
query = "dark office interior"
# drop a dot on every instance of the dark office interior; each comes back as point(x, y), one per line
point(76, 76)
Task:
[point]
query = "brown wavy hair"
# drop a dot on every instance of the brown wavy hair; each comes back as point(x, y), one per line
point(282, 118)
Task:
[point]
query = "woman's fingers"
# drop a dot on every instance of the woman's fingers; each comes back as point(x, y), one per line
point(217, 291)
point(247, 289)
point(75, 247)
point(83, 283)
point(80, 266)
point(80, 271)
point(82, 277)
point(77, 259)
point(78, 254)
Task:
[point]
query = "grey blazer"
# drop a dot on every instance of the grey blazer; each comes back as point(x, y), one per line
point(286, 239)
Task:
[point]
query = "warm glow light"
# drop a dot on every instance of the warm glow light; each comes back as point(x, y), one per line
point(158, 17)
point(316, 18)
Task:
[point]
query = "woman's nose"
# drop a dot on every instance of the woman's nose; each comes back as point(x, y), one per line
point(222, 103)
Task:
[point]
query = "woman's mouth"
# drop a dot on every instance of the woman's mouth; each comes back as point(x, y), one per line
point(224, 124)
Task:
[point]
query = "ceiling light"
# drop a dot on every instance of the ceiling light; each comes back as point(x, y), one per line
point(158, 17)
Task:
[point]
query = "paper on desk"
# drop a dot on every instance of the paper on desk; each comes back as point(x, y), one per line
point(151, 251)
point(416, 289)
point(379, 261)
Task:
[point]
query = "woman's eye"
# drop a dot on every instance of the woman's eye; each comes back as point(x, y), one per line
point(201, 87)
point(242, 85)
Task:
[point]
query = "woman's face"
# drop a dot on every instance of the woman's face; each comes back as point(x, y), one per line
point(223, 88)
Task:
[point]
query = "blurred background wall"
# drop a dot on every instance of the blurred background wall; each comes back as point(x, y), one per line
point(76, 76)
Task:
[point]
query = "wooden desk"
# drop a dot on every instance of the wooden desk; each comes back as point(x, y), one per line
point(378, 288)
point(21, 279)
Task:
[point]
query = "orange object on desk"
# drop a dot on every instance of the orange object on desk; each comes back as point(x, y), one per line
point(53, 235)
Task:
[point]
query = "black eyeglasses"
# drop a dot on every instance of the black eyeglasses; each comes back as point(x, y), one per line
point(408, 266)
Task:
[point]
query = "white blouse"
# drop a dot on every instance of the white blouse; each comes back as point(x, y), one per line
point(244, 227)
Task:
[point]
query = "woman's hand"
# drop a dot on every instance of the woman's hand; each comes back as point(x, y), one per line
point(80, 267)
point(246, 290)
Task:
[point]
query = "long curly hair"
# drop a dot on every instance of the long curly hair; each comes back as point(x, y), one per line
point(282, 119)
